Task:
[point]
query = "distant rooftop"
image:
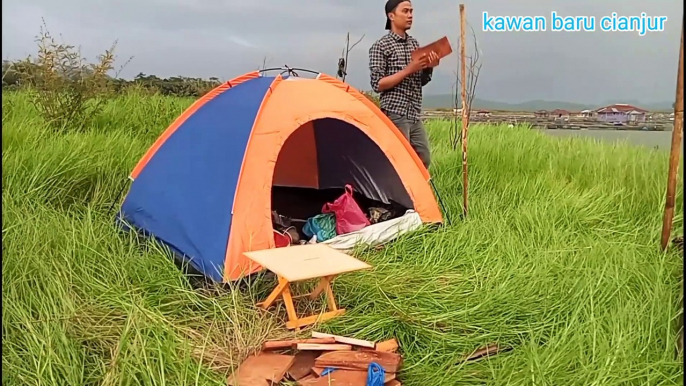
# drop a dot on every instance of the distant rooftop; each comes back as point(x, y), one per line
point(621, 108)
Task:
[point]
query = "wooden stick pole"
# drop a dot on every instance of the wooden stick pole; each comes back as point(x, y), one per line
point(465, 109)
point(680, 341)
point(675, 150)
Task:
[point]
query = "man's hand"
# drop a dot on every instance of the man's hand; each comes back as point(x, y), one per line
point(423, 61)
point(419, 63)
point(433, 59)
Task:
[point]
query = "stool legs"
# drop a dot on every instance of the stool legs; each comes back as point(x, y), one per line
point(283, 291)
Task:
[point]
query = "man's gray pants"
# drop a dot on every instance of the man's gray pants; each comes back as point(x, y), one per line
point(415, 132)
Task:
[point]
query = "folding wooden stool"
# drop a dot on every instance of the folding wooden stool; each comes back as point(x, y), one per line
point(305, 262)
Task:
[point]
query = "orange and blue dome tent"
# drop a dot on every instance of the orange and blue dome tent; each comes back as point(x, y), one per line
point(204, 187)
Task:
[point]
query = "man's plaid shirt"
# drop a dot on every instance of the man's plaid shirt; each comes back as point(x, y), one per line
point(387, 56)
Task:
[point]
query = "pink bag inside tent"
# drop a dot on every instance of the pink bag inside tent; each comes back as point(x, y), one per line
point(349, 215)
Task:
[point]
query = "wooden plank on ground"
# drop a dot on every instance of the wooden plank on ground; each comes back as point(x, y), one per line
point(292, 343)
point(344, 339)
point(360, 360)
point(390, 345)
point(343, 378)
point(248, 380)
point(302, 365)
point(324, 347)
point(317, 370)
point(268, 367)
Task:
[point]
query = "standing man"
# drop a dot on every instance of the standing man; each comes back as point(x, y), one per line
point(399, 79)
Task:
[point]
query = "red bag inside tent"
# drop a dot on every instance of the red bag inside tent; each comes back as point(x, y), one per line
point(349, 215)
point(281, 239)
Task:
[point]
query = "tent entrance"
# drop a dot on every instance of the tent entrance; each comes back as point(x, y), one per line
point(320, 158)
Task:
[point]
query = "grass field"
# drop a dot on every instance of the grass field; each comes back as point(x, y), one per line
point(559, 259)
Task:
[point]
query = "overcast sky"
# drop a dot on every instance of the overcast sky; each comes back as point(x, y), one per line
point(225, 38)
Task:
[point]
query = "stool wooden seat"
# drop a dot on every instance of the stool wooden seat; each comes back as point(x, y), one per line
point(305, 262)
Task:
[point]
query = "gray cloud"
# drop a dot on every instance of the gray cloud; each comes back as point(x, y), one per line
point(226, 38)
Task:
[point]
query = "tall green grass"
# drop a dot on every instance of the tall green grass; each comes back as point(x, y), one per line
point(558, 259)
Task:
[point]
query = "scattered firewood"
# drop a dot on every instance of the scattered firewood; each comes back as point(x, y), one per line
point(284, 344)
point(360, 360)
point(347, 358)
point(344, 339)
point(324, 347)
point(302, 365)
point(265, 368)
point(318, 371)
point(343, 378)
point(390, 345)
point(483, 352)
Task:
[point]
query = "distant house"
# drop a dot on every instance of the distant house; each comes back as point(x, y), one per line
point(541, 114)
point(483, 113)
point(621, 113)
point(587, 113)
point(559, 113)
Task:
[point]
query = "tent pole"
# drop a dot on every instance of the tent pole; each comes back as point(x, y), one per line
point(675, 150)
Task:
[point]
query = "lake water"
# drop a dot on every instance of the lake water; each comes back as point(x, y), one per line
point(660, 139)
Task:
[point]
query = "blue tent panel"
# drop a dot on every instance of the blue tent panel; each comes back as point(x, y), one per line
point(184, 195)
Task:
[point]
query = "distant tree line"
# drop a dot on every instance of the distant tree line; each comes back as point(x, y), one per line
point(20, 73)
point(17, 74)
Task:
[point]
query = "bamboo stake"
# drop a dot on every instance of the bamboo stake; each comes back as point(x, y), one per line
point(675, 151)
point(465, 111)
point(680, 342)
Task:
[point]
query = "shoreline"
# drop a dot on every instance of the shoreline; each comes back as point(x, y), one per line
point(650, 139)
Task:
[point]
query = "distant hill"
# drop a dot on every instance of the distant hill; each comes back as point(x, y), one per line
point(446, 101)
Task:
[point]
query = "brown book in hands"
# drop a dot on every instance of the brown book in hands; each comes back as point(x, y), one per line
point(441, 47)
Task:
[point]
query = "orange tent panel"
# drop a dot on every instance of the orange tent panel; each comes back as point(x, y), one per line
point(280, 117)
